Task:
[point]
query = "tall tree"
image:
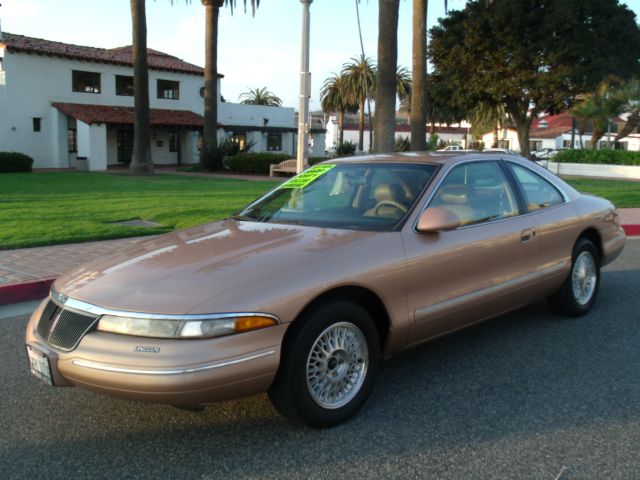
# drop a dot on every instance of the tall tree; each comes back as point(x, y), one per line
point(141, 161)
point(335, 97)
point(210, 129)
point(260, 96)
point(385, 96)
point(631, 97)
point(419, 71)
point(533, 55)
point(355, 72)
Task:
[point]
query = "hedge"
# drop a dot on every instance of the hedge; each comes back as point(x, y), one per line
point(608, 157)
point(254, 162)
point(15, 162)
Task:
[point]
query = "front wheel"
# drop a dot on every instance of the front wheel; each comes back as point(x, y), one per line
point(329, 362)
point(578, 293)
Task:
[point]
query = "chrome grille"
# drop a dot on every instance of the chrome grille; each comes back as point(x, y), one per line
point(64, 328)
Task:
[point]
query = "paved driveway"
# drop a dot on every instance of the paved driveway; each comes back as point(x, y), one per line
point(529, 395)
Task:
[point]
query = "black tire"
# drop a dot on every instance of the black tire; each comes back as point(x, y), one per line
point(291, 392)
point(565, 301)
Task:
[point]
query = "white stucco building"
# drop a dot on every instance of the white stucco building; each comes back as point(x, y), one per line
point(72, 106)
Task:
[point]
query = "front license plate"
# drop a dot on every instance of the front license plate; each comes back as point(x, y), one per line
point(39, 364)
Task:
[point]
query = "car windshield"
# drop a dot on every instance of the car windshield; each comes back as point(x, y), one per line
point(361, 196)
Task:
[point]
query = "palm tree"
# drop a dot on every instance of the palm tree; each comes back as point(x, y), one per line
point(486, 117)
point(335, 97)
point(360, 77)
point(260, 96)
point(210, 129)
point(404, 86)
point(418, 118)
point(386, 87)
point(630, 95)
point(598, 108)
point(141, 161)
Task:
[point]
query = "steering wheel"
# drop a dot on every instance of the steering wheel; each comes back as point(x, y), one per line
point(390, 203)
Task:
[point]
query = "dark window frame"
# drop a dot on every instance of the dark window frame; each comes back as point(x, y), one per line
point(84, 82)
point(279, 142)
point(123, 87)
point(37, 124)
point(174, 141)
point(168, 89)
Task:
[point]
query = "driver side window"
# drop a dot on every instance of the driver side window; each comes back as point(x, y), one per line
point(477, 193)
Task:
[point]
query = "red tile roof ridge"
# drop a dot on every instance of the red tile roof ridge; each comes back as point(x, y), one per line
point(117, 56)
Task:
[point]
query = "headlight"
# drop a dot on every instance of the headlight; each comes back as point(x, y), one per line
point(183, 327)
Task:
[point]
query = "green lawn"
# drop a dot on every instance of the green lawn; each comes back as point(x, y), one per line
point(65, 207)
point(623, 194)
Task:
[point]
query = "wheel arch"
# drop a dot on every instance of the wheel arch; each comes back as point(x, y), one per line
point(594, 237)
point(361, 296)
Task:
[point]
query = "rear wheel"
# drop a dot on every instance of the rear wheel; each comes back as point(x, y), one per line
point(578, 293)
point(329, 362)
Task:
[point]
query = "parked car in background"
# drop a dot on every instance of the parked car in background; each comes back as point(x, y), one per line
point(302, 293)
point(544, 154)
point(451, 148)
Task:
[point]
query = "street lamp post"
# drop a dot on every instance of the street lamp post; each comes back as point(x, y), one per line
point(305, 90)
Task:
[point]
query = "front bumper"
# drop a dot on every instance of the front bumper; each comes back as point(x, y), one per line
point(177, 372)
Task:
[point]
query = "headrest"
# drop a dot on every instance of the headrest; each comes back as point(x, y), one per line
point(388, 191)
point(455, 194)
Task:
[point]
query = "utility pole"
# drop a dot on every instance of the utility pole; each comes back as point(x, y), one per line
point(305, 91)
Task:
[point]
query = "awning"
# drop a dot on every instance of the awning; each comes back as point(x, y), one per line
point(160, 117)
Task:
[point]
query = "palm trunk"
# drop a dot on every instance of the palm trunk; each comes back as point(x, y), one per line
point(496, 134)
point(361, 126)
point(141, 162)
point(418, 118)
point(597, 134)
point(341, 127)
point(631, 124)
point(210, 128)
point(385, 116)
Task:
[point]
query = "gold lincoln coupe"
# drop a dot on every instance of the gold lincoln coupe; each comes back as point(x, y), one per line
point(302, 293)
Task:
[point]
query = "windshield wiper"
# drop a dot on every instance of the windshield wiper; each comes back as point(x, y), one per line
point(244, 218)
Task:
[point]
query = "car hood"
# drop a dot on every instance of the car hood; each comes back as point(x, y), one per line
point(219, 267)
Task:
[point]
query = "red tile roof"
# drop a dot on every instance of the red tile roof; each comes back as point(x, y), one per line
point(116, 56)
point(160, 117)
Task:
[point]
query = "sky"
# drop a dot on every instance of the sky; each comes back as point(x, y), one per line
point(253, 51)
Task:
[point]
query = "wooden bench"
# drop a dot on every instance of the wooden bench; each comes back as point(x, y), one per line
point(288, 166)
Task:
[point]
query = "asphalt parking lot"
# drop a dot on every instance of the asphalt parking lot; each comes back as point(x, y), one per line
point(529, 395)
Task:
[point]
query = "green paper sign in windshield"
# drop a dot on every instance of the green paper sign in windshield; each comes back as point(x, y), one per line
point(308, 176)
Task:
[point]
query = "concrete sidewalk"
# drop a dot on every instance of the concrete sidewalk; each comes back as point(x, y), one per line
point(27, 273)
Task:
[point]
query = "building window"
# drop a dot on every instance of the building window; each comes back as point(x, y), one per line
point(72, 140)
point(124, 85)
point(535, 145)
point(240, 139)
point(174, 141)
point(566, 144)
point(504, 143)
point(274, 142)
point(37, 124)
point(86, 82)
point(168, 89)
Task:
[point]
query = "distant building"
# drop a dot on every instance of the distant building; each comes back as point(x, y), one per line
point(557, 131)
point(72, 106)
point(455, 134)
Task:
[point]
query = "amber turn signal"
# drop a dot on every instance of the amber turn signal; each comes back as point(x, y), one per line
point(244, 324)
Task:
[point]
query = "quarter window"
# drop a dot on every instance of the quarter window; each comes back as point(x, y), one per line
point(85, 82)
point(538, 192)
point(477, 193)
point(168, 89)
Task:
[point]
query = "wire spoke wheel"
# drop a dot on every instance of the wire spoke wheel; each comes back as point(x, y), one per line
point(337, 365)
point(584, 278)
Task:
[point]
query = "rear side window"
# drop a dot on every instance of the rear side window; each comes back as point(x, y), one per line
point(539, 193)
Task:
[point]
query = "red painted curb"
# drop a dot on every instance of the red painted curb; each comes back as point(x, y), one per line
point(631, 230)
point(22, 292)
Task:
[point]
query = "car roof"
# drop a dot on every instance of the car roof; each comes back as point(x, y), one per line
point(442, 158)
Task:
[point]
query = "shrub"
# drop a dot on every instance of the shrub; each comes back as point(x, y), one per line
point(607, 157)
point(15, 162)
point(212, 158)
point(254, 162)
point(314, 160)
point(403, 144)
point(432, 144)
point(345, 149)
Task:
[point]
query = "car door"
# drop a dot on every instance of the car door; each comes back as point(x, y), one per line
point(482, 268)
